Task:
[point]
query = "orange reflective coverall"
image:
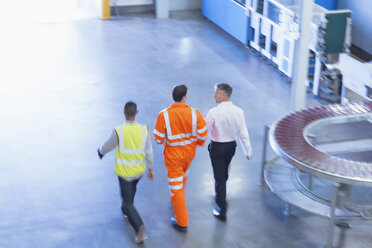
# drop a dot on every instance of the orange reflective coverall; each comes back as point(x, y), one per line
point(181, 128)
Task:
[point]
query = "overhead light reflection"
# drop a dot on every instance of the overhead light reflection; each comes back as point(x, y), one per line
point(42, 11)
point(185, 46)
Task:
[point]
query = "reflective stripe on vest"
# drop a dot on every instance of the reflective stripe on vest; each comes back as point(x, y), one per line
point(162, 135)
point(193, 114)
point(201, 138)
point(178, 179)
point(129, 162)
point(130, 154)
point(170, 137)
point(167, 124)
point(176, 187)
point(181, 143)
point(203, 129)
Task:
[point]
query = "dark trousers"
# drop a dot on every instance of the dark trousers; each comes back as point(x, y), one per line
point(221, 155)
point(128, 191)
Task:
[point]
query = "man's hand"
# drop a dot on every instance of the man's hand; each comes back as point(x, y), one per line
point(99, 154)
point(249, 157)
point(150, 174)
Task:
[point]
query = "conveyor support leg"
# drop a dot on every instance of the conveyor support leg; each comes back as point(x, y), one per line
point(263, 162)
point(287, 209)
point(332, 219)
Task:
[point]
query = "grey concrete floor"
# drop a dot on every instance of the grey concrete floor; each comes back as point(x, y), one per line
point(63, 87)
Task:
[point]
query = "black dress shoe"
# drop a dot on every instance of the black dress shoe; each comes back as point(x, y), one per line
point(218, 215)
point(178, 227)
point(343, 224)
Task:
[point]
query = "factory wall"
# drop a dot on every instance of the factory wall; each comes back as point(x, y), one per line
point(173, 4)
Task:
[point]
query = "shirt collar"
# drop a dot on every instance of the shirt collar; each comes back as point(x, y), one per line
point(225, 103)
point(130, 122)
point(178, 105)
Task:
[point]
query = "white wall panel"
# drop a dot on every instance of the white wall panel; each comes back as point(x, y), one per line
point(130, 2)
point(184, 4)
point(173, 4)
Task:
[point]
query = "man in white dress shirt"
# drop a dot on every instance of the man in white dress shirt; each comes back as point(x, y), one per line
point(225, 123)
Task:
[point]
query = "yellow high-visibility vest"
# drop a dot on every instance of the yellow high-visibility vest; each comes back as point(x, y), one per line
point(130, 153)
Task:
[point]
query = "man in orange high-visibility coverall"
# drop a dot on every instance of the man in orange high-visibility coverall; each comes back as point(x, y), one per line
point(182, 128)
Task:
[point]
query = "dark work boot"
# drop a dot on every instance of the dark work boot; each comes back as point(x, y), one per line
point(178, 227)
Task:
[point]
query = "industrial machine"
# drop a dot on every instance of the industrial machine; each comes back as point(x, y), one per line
point(334, 38)
point(329, 164)
point(271, 27)
point(355, 85)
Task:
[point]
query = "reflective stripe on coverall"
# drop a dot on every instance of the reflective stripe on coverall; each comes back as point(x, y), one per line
point(130, 153)
point(182, 128)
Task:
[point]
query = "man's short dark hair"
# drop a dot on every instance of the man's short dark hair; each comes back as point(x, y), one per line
point(179, 92)
point(130, 109)
point(225, 88)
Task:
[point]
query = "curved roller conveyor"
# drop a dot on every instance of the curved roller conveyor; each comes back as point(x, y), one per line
point(292, 138)
point(287, 137)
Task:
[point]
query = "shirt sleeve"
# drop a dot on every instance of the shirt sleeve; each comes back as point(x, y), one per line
point(111, 143)
point(159, 131)
point(209, 120)
point(149, 153)
point(201, 129)
point(244, 136)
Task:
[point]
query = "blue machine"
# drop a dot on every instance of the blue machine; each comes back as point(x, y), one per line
point(327, 4)
point(230, 15)
point(272, 28)
point(233, 17)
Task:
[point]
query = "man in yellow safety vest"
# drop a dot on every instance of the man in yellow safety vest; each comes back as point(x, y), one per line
point(133, 151)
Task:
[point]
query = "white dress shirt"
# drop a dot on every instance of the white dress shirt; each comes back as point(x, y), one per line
point(226, 123)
